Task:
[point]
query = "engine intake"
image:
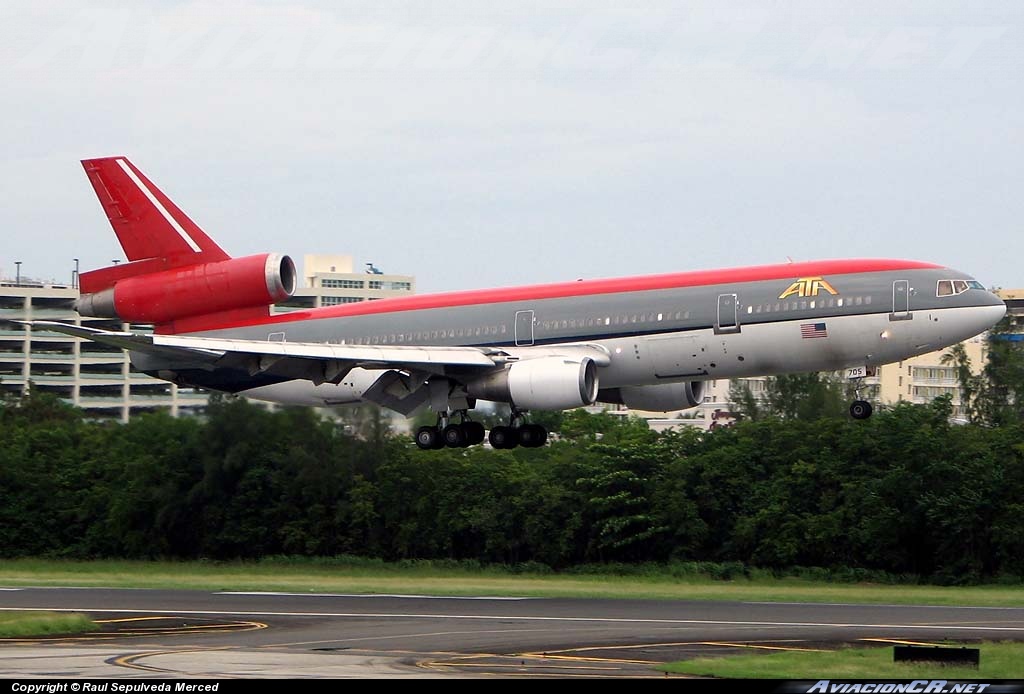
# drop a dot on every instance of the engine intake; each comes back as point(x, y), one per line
point(663, 397)
point(545, 383)
point(162, 297)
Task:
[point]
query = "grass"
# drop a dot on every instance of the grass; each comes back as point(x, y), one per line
point(998, 661)
point(15, 625)
point(353, 575)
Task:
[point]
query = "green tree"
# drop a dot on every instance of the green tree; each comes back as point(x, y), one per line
point(1001, 393)
point(957, 357)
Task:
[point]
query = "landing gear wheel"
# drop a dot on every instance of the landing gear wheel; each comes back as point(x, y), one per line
point(502, 437)
point(454, 436)
point(427, 438)
point(860, 409)
point(474, 432)
point(532, 436)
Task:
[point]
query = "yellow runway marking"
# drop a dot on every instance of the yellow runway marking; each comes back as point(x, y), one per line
point(586, 659)
point(130, 661)
point(902, 643)
point(520, 665)
point(763, 647)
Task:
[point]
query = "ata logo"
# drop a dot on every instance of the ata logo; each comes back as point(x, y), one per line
point(808, 286)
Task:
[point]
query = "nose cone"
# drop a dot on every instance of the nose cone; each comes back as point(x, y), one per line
point(990, 313)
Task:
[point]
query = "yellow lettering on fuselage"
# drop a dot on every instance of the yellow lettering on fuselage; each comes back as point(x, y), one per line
point(808, 286)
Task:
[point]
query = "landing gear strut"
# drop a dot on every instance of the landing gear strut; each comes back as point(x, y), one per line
point(447, 433)
point(518, 433)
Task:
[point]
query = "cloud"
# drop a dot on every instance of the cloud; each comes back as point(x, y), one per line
point(576, 138)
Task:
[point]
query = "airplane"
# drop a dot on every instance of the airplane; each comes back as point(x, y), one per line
point(650, 343)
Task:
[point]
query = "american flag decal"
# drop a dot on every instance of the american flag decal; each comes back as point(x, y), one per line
point(809, 330)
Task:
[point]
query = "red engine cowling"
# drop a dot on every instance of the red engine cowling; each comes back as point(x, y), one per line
point(196, 290)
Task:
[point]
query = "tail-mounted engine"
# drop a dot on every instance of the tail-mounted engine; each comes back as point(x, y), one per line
point(185, 292)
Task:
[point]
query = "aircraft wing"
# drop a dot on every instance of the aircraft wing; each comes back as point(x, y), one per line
point(315, 361)
point(216, 350)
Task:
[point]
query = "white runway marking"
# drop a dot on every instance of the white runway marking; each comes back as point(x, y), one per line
point(12, 589)
point(872, 604)
point(373, 595)
point(524, 618)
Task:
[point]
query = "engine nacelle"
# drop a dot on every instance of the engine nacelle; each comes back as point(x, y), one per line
point(162, 297)
point(663, 397)
point(545, 383)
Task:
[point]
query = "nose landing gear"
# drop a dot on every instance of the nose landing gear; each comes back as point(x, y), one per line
point(860, 409)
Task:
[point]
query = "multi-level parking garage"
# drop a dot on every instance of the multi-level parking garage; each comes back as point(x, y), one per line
point(92, 376)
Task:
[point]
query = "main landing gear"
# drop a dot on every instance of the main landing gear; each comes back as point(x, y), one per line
point(447, 433)
point(469, 433)
point(518, 433)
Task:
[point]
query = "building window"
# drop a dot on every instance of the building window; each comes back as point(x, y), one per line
point(336, 300)
point(341, 284)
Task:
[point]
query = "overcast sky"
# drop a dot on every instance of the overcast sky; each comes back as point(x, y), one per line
point(532, 143)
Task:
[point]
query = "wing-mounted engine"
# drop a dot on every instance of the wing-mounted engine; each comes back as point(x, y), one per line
point(165, 296)
point(663, 397)
point(544, 383)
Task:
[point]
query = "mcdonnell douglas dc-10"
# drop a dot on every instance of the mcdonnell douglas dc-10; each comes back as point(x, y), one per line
point(650, 343)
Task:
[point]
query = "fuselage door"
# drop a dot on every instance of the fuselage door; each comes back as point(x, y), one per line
point(524, 328)
point(728, 314)
point(901, 301)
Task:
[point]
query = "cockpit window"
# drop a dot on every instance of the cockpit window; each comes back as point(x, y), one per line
point(954, 287)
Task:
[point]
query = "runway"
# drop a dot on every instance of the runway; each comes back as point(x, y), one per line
point(154, 633)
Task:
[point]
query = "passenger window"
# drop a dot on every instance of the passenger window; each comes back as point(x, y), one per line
point(867, 299)
point(840, 303)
